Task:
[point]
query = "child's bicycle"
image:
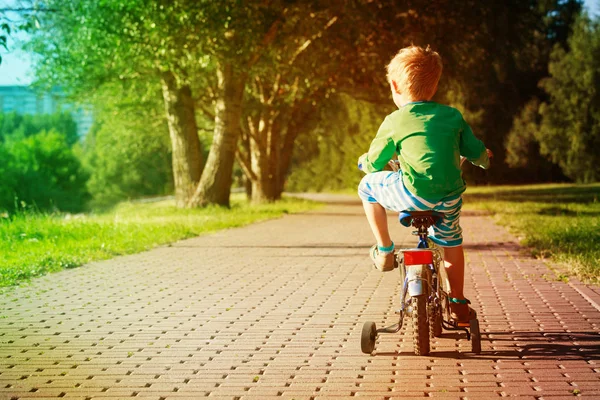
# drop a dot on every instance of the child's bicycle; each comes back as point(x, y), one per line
point(423, 296)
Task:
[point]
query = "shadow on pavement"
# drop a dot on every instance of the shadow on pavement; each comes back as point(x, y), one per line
point(526, 346)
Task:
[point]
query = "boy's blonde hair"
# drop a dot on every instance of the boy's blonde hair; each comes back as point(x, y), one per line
point(416, 71)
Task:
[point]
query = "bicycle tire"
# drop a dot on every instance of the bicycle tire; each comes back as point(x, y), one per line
point(435, 320)
point(367, 337)
point(475, 336)
point(420, 325)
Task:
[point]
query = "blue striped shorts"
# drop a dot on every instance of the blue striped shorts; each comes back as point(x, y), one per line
point(387, 189)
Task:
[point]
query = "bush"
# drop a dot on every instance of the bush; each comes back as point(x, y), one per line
point(43, 172)
point(13, 125)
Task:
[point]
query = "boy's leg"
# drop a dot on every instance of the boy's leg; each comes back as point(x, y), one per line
point(377, 217)
point(448, 234)
point(382, 253)
point(381, 191)
point(454, 260)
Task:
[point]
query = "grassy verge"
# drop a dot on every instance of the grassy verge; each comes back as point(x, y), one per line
point(34, 244)
point(560, 222)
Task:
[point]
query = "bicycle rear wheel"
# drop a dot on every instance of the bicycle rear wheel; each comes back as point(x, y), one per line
point(435, 320)
point(420, 325)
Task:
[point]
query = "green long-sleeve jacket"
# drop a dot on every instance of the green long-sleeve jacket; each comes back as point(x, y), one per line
point(429, 139)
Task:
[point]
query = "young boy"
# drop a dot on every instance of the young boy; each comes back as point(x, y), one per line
point(429, 139)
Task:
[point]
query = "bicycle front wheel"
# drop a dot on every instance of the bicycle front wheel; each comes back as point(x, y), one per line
point(420, 325)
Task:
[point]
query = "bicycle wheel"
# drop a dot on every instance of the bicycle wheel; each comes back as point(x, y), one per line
point(420, 325)
point(475, 336)
point(367, 337)
point(435, 320)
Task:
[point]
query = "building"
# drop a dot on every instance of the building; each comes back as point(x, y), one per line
point(24, 100)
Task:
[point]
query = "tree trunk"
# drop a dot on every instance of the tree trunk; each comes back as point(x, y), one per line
point(267, 149)
point(264, 186)
point(183, 130)
point(215, 183)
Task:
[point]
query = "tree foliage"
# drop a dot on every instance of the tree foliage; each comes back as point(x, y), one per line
point(127, 152)
point(328, 155)
point(39, 166)
point(17, 125)
point(570, 130)
point(41, 171)
point(565, 127)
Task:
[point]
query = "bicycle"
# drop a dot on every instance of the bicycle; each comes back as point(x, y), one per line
point(423, 296)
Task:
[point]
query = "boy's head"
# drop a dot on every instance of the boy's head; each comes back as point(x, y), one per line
point(415, 72)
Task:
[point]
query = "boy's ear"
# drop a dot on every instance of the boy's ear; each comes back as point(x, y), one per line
point(395, 86)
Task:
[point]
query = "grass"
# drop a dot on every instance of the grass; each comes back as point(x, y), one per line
point(33, 244)
point(559, 221)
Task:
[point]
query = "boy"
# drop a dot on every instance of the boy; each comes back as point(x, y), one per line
point(429, 139)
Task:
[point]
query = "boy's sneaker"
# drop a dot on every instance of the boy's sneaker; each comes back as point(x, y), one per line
point(459, 310)
point(382, 261)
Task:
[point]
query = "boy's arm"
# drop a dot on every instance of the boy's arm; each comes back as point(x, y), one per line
point(472, 148)
point(381, 151)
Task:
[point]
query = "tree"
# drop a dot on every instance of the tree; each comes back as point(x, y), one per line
point(283, 95)
point(127, 151)
point(569, 132)
point(42, 171)
point(174, 44)
point(303, 69)
point(90, 44)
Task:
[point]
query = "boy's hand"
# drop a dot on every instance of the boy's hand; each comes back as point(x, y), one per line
point(360, 163)
point(489, 153)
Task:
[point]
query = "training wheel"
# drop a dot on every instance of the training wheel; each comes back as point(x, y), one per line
point(475, 336)
point(367, 337)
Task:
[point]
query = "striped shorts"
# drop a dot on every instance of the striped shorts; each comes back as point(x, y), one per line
point(387, 189)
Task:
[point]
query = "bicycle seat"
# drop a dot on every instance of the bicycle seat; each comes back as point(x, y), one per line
point(432, 217)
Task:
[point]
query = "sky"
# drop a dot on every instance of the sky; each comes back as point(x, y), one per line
point(16, 67)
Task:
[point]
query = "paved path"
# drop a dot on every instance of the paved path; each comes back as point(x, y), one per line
point(275, 311)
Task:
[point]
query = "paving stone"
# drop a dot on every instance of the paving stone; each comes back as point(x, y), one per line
point(275, 310)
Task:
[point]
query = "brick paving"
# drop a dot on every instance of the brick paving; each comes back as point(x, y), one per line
point(275, 311)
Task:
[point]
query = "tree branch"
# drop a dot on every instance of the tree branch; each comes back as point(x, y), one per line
point(275, 89)
point(244, 165)
point(208, 113)
point(267, 39)
point(307, 43)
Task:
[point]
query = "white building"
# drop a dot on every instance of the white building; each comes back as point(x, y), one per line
point(23, 100)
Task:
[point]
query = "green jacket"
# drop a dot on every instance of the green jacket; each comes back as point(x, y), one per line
point(429, 139)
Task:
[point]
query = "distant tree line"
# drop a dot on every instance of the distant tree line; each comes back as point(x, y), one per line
point(190, 94)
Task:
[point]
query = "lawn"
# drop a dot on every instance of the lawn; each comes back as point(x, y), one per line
point(33, 244)
point(560, 222)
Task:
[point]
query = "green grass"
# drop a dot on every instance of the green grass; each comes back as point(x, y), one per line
point(560, 222)
point(33, 244)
